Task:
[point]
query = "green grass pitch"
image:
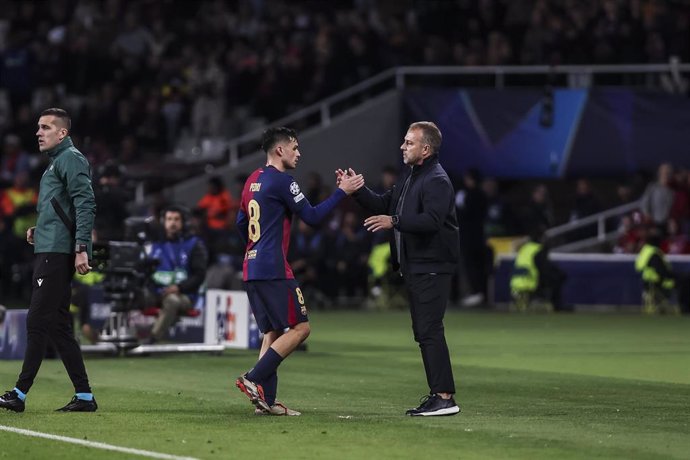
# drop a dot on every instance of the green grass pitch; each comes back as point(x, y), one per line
point(530, 386)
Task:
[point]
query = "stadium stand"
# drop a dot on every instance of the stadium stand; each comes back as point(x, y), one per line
point(174, 80)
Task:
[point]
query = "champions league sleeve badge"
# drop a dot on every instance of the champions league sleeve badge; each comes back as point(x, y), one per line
point(294, 189)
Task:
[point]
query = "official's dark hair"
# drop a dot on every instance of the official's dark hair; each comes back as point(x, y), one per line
point(431, 135)
point(61, 114)
point(272, 136)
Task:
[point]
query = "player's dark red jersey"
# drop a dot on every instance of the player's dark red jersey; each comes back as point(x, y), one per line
point(269, 200)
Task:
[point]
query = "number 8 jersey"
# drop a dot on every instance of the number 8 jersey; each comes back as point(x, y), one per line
point(269, 200)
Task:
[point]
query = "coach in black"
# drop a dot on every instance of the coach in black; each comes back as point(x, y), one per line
point(420, 209)
point(62, 244)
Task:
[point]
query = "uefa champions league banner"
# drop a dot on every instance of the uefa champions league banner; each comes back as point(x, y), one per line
point(228, 320)
point(513, 133)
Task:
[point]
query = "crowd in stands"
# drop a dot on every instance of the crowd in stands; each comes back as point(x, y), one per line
point(665, 209)
point(339, 262)
point(136, 74)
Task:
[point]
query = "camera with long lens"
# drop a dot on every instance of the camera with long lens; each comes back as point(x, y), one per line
point(127, 273)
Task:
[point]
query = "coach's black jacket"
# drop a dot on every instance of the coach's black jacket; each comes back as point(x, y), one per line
point(427, 222)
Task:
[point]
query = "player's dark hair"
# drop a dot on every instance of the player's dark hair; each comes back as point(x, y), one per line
point(61, 114)
point(272, 136)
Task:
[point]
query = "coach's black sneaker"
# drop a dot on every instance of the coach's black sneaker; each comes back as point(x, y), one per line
point(434, 405)
point(79, 405)
point(11, 401)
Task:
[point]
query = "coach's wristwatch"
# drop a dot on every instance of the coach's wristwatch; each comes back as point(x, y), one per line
point(79, 248)
point(395, 220)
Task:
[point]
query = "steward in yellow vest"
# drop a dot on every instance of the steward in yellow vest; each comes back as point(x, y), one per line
point(535, 274)
point(655, 270)
point(525, 272)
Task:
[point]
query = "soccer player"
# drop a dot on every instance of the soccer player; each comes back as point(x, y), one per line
point(269, 199)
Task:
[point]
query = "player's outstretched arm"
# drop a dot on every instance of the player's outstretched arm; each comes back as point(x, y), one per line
point(313, 215)
point(365, 197)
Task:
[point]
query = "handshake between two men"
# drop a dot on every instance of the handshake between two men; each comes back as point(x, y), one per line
point(351, 178)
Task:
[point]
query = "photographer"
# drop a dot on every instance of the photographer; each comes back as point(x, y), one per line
point(181, 270)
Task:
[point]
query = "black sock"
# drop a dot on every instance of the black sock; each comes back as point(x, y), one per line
point(271, 388)
point(266, 366)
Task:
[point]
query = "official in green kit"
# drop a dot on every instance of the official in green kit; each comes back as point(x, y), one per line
point(62, 245)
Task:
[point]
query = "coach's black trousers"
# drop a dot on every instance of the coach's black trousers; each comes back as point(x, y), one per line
point(428, 298)
point(49, 317)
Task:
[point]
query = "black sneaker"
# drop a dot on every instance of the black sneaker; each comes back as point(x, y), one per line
point(434, 405)
point(10, 401)
point(79, 405)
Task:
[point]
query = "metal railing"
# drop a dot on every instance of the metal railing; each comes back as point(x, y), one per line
point(398, 78)
point(598, 219)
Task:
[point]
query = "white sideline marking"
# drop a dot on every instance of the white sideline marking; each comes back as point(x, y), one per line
point(95, 445)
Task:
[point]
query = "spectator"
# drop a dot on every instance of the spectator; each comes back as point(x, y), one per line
point(307, 255)
point(14, 159)
point(471, 206)
point(315, 188)
point(538, 212)
point(499, 215)
point(389, 175)
point(586, 203)
point(18, 204)
point(629, 239)
point(111, 198)
point(675, 241)
point(6, 259)
point(680, 210)
point(219, 207)
point(351, 250)
point(658, 198)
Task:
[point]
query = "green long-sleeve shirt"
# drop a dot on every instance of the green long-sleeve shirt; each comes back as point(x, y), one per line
point(68, 179)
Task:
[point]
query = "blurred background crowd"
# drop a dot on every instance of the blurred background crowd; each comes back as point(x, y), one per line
point(140, 76)
point(136, 75)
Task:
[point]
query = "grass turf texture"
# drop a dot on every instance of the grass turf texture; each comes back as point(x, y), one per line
point(551, 386)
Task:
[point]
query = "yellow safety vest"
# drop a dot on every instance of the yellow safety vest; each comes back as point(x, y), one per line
point(378, 259)
point(649, 274)
point(19, 199)
point(525, 273)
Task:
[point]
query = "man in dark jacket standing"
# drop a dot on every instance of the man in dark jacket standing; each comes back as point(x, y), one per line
point(62, 244)
point(421, 211)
